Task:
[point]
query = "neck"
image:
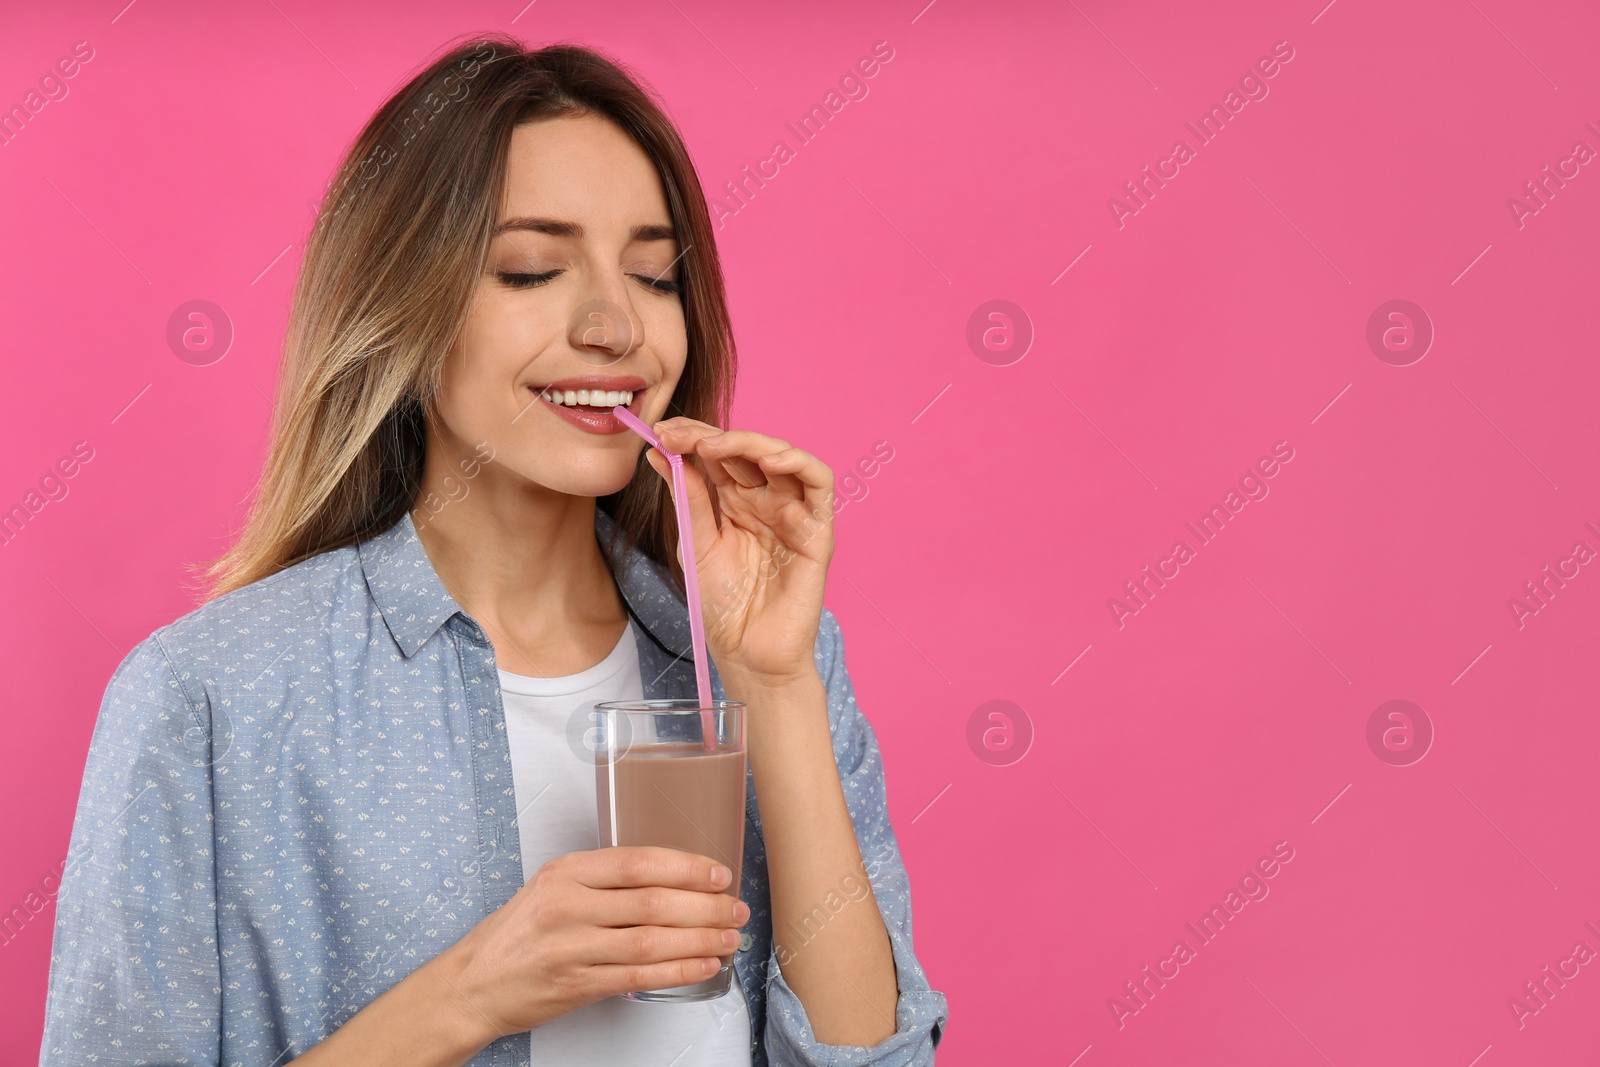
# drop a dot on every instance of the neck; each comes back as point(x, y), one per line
point(521, 559)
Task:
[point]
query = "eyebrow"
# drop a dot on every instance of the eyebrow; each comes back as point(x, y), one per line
point(562, 228)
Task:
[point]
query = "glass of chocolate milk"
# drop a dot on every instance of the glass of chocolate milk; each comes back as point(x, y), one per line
point(672, 773)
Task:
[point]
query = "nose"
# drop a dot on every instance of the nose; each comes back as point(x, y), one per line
point(603, 331)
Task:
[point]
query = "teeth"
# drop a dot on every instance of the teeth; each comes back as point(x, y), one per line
point(589, 397)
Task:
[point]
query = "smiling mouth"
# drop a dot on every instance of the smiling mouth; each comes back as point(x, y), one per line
point(589, 399)
point(587, 402)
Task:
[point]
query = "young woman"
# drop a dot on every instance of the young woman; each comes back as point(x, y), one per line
point(341, 813)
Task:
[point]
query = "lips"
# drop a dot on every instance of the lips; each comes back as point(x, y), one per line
point(595, 381)
point(592, 418)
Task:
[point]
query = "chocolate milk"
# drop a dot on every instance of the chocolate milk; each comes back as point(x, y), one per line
point(679, 796)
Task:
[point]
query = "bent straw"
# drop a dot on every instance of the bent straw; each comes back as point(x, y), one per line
point(691, 573)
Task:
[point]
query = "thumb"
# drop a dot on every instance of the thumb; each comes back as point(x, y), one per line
point(702, 519)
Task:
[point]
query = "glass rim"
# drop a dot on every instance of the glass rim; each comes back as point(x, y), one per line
point(668, 706)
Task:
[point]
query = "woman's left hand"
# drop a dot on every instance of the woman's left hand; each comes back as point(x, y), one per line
point(762, 572)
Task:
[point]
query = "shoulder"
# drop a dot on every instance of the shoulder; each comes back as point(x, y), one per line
point(279, 605)
point(229, 633)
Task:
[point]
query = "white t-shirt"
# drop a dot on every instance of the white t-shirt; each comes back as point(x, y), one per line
point(553, 779)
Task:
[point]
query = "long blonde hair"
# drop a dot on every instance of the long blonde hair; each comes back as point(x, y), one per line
point(387, 281)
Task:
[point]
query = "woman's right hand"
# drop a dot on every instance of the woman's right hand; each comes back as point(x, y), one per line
point(586, 926)
point(589, 925)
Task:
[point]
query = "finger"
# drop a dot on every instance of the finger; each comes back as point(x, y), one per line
point(660, 906)
point(704, 507)
point(741, 475)
point(798, 462)
point(726, 471)
point(631, 978)
point(812, 477)
point(742, 444)
point(685, 428)
point(741, 470)
point(750, 473)
point(658, 944)
point(629, 866)
point(681, 433)
point(736, 450)
point(658, 463)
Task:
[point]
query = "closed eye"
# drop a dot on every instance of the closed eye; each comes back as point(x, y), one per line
point(660, 286)
point(525, 281)
point(529, 281)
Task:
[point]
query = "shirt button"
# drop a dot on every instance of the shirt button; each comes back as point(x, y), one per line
point(745, 942)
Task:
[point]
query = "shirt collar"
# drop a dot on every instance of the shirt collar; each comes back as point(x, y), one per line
point(649, 592)
point(414, 603)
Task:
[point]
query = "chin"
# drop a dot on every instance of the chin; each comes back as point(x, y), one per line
point(598, 481)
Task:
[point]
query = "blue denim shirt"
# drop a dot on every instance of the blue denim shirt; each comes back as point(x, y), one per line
point(300, 792)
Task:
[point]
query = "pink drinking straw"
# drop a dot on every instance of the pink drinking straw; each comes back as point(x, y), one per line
point(691, 572)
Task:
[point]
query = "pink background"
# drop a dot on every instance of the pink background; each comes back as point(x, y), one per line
point(1227, 315)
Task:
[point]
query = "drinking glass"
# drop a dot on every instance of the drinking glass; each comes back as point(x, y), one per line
point(672, 772)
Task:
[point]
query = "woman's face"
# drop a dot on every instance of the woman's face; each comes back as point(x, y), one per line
point(580, 292)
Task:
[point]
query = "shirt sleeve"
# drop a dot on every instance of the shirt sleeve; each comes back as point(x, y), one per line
point(135, 976)
point(920, 1012)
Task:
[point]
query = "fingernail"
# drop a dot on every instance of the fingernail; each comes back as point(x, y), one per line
point(720, 876)
point(742, 913)
point(730, 939)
